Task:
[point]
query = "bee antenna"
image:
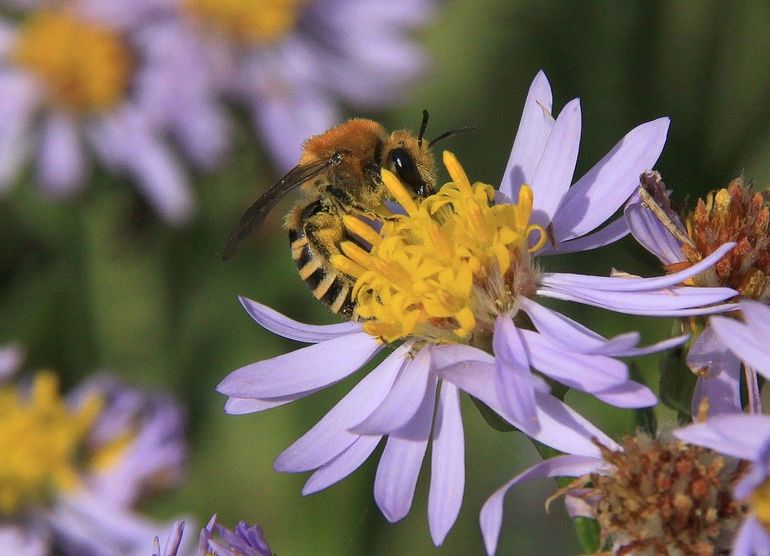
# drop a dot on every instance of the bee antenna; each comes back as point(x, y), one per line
point(423, 126)
point(450, 133)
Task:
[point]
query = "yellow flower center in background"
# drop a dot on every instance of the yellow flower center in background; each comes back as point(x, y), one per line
point(83, 65)
point(447, 268)
point(760, 504)
point(42, 440)
point(253, 22)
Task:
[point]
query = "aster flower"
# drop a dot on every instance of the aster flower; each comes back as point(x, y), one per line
point(650, 496)
point(734, 214)
point(89, 76)
point(291, 63)
point(217, 540)
point(452, 279)
point(75, 466)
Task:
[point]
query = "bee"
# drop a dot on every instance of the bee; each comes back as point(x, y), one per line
point(339, 171)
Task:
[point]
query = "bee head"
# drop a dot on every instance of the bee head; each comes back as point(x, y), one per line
point(411, 161)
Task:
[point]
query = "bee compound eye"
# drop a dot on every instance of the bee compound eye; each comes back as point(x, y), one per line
point(404, 166)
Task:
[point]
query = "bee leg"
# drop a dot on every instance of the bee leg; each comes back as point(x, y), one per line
point(316, 236)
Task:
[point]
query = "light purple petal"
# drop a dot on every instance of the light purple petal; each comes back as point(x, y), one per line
point(491, 516)
point(61, 163)
point(721, 384)
point(342, 465)
point(620, 284)
point(606, 186)
point(744, 341)
point(629, 395)
point(719, 433)
point(173, 541)
point(403, 400)
point(282, 325)
point(561, 427)
point(447, 472)
point(648, 230)
point(311, 367)
point(330, 436)
point(515, 387)
point(677, 301)
point(554, 172)
point(528, 146)
point(18, 101)
point(241, 406)
point(757, 317)
point(401, 461)
point(751, 539)
point(22, 541)
point(11, 357)
point(588, 373)
point(612, 232)
point(751, 479)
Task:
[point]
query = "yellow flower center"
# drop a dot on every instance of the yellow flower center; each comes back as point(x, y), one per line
point(447, 268)
point(83, 65)
point(760, 503)
point(253, 22)
point(42, 440)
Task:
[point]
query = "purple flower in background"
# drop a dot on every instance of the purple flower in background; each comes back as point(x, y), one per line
point(734, 214)
point(746, 437)
point(292, 63)
point(74, 466)
point(88, 76)
point(216, 540)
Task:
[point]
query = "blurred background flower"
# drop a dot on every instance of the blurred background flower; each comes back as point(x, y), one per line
point(100, 281)
point(75, 467)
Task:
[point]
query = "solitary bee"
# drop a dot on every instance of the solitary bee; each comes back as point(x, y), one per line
point(340, 174)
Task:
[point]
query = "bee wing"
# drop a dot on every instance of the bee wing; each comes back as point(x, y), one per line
point(258, 211)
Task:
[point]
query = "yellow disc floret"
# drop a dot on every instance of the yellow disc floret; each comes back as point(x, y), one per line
point(448, 267)
point(83, 65)
point(252, 22)
point(42, 439)
point(760, 504)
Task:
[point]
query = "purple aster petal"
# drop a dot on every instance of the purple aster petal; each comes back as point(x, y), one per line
point(562, 330)
point(401, 461)
point(342, 465)
point(282, 325)
point(651, 233)
point(721, 384)
point(18, 100)
point(755, 476)
point(677, 301)
point(612, 232)
point(560, 427)
point(747, 341)
point(21, 541)
point(528, 146)
point(719, 433)
point(403, 400)
point(330, 436)
point(11, 357)
point(588, 373)
point(447, 472)
point(622, 284)
point(629, 395)
point(606, 186)
point(554, 172)
point(61, 163)
point(173, 541)
point(309, 368)
point(757, 317)
point(751, 539)
point(515, 387)
point(491, 516)
point(242, 406)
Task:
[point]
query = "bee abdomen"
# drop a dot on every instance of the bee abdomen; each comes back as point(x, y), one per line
point(327, 285)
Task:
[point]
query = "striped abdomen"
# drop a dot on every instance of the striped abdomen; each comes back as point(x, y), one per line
point(326, 284)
